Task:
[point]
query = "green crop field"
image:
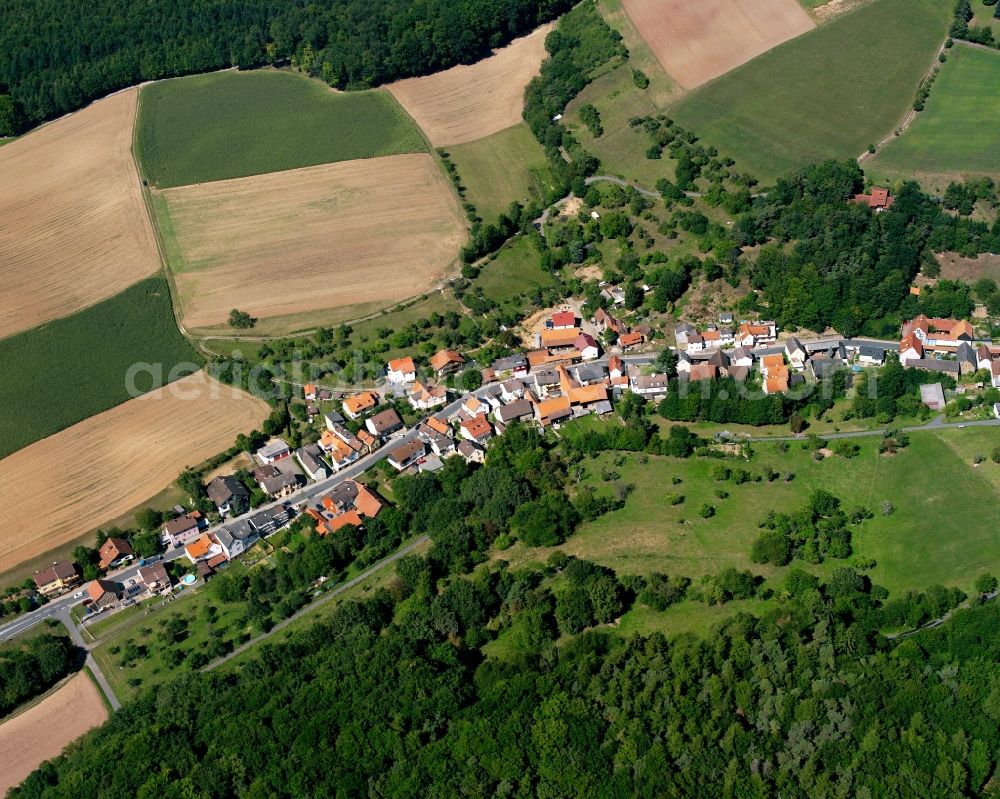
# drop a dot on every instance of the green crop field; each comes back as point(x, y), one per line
point(515, 270)
point(235, 124)
point(826, 94)
point(499, 169)
point(622, 150)
point(67, 370)
point(942, 530)
point(958, 132)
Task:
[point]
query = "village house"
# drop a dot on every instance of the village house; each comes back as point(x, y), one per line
point(586, 345)
point(518, 409)
point(401, 370)
point(112, 551)
point(441, 442)
point(628, 341)
point(309, 392)
point(203, 548)
point(937, 366)
point(563, 320)
point(726, 318)
point(648, 385)
point(274, 482)
point(683, 333)
point(183, 529)
point(775, 374)
point(349, 502)
point(227, 493)
point(155, 577)
point(272, 519)
point(274, 450)
point(617, 376)
point(551, 411)
point(613, 294)
point(871, 355)
point(310, 458)
point(476, 429)
point(445, 362)
point(341, 446)
point(513, 365)
point(796, 353)
point(546, 383)
point(330, 418)
point(57, 578)
point(941, 335)
point(424, 397)
point(911, 348)
point(702, 371)
point(753, 334)
point(235, 539)
point(471, 452)
point(384, 423)
point(879, 199)
point(558, 339)
point(356, 406)
point(103, 594)
point(604, 321)
point(965, 356)
point(406, 455)
point(512, 389)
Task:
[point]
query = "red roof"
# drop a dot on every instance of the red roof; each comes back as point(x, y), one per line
point(563, 319)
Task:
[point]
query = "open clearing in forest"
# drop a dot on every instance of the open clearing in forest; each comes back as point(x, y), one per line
point(465, 103)
point(42, 731)
point(826, 94)
point(236, 124)
point(287, 243)
point(958, 132)
point(697, 42)
point(110, 463)
point(73, 226)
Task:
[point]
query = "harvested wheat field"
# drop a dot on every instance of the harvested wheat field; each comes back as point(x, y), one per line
point(42, 731)
point(112, 462)
point(466, 103)
point(73, 226)
point(372, 230)
point(698, 41)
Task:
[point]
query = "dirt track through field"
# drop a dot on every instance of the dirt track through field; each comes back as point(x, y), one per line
point(698, 41)
point(73, 226)
point(466, 103)
point(42, 731)
point(372, 230)
point(57, 489)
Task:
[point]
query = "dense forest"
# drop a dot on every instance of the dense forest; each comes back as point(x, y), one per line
point(393, 697)
point(57, 55)
point(848, 267)
point(30, 668)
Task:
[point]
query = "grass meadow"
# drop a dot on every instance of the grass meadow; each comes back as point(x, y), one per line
point(236, 124)
point(826, 94)
point(67, 370)
point(515, 270)
point(943, 529)
point(958, 132)
point(622, 150)
point(499, 169)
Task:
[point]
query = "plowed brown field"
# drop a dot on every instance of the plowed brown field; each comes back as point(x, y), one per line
point(465, 103)
point(62, 486)
point(73, 226)
point(42, 731)
point(698, 41)
point(372, 230)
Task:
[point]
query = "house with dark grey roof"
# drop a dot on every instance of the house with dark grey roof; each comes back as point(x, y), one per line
point(271, 520)
point(236, 538)
point(871, 354)
point(384, 423)
point(228, 494)
point(934, 365)
point(519, 409)
point(275, 482)
point(311, 459)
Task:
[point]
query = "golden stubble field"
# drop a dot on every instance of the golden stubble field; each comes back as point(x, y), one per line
point(57, 489)
point(345, 234)
point(698, 41)
point(465, 103)
point(73, 226)
point(42, 731)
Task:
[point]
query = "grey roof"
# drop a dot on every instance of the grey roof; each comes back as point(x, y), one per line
point(589, 374)
point(468, 448)
point(510, 362)
point(222, 489)
point(652, 381)
point(823, 367)
point(871, 351)
point(934, 365)
point(332, 417)
point(431, 464)
point(546, 377)
point(385, 421)
point(966, 353)
point(278, 482)
point(601, 408)
point(932, 395)
point(343, 494)
point(512, 385)
point(311, 459)
point(793, 345)
point(270, 519)
point(272, 448)
point(518, 409)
